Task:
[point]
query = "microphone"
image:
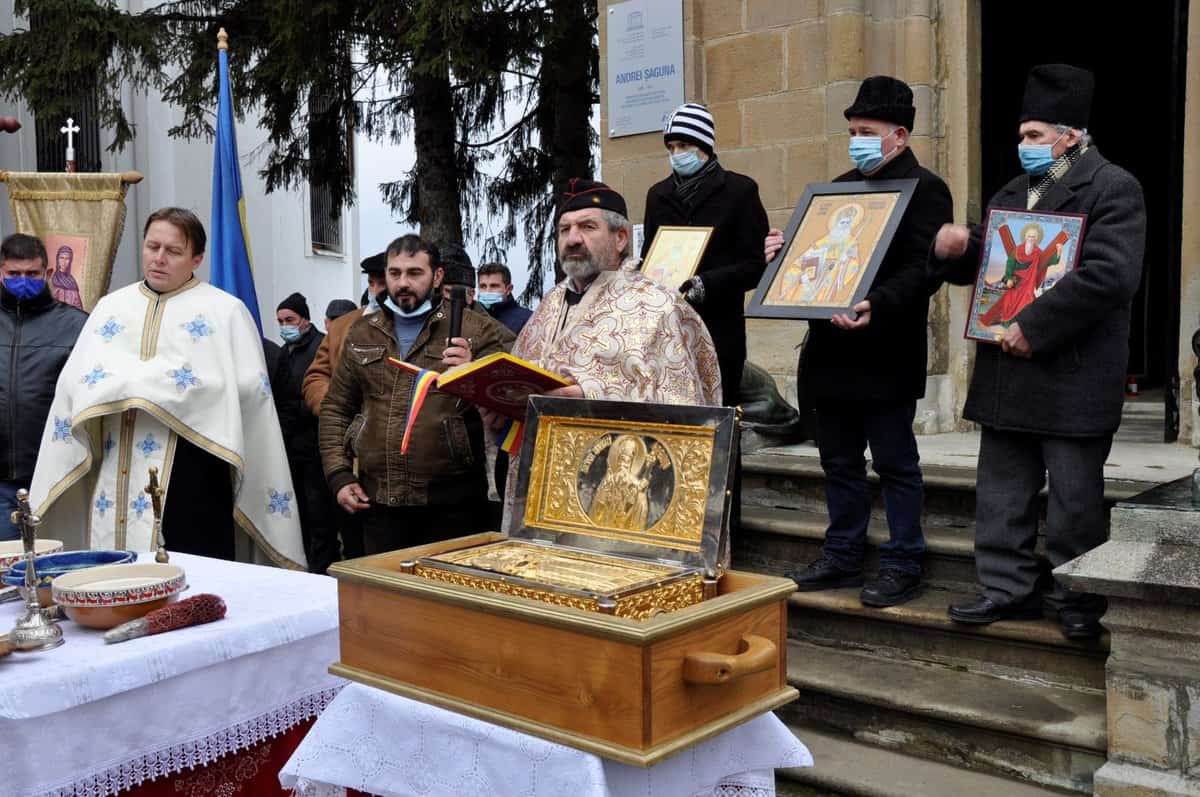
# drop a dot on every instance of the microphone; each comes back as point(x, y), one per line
point(458, 300)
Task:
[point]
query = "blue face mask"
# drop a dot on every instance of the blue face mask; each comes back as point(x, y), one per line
point(489, 300)
point(425, 307)
point(290, 334)
point(1036, 159)
point(686, 163)
point(24, 287)
point(866, 152)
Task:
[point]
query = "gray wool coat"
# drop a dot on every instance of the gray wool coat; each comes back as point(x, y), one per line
point(1079, 329)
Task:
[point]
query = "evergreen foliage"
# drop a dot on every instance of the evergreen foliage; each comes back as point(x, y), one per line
point(445, 72)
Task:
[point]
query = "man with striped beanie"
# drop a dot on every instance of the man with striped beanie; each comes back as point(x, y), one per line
point(699, 193)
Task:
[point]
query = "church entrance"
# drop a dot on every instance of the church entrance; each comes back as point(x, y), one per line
point(1139, 59)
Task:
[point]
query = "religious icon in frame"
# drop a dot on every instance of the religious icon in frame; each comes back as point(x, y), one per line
point(833, 247)
point(675, 254)
point(1023, 255)
point(68, 256)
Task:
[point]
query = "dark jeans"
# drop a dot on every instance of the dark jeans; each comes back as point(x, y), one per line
point(390, 528)
point(8, 505)
point(1012, 471)
point(318, 521)
point(844, 432)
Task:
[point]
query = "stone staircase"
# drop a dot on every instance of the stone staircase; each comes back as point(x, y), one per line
point(902, 701)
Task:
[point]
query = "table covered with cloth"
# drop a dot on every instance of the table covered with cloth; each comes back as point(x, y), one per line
point(375, 742)
point(214, 708)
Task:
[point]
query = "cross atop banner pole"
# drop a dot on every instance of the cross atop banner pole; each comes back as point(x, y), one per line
point(70, 129)
point(230, 267)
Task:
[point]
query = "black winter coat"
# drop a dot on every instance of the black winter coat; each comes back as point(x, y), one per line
point(885, 361)
point(733, 261)
point(299, 426)
point(1079, 330)
point(36, 337)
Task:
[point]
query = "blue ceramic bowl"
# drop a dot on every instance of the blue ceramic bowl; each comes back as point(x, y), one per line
point(55, 564)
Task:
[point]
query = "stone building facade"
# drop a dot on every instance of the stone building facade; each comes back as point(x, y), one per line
point(777, 74)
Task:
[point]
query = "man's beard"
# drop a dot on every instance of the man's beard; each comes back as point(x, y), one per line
point(582, 265)
point(409, 302)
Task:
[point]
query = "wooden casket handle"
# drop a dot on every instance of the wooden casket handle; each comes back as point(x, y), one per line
point(755, 654)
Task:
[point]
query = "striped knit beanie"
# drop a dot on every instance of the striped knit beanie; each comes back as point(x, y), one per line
point(693, 123)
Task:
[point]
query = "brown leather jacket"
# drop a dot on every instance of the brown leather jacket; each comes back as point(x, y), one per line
point(363, 415)
point(320, 372)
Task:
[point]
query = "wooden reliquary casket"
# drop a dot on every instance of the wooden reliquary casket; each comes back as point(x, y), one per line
point(607, 619)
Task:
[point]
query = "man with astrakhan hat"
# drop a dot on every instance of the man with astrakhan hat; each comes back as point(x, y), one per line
point(865, 371)
point(1049, 396)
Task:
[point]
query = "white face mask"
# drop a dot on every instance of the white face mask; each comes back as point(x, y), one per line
point(421, 310)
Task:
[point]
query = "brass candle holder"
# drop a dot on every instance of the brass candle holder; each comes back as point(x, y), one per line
point(36, 629)
point(155, 492)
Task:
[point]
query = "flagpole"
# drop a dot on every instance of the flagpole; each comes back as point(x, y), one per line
point(231, 265)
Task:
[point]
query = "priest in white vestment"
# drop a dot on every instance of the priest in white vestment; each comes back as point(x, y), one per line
point(169, 373)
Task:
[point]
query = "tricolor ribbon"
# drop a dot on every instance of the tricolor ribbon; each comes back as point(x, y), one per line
point(423, 382)
point(510, 440)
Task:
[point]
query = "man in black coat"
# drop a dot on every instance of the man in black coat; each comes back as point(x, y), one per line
point(866, 372)
point(37, 333)
point(699, 193)
point(1049, 397)
point(301, 339)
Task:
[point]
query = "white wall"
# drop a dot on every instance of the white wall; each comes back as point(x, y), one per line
point(179, 173)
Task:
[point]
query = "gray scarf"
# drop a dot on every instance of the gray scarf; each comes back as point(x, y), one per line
point(686, 187)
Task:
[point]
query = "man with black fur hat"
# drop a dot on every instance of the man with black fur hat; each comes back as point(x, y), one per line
point(299, 426)
point(866, 371)
point(1049, 397)
point(699, 193)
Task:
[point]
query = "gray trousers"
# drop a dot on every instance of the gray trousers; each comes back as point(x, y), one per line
point(1012, 470)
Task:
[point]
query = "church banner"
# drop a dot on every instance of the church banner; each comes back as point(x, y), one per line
point(80, 218)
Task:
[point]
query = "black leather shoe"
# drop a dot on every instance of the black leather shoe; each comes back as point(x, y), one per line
point(824, 574)
point(891, 588)
point(1080, 624)
point(984, 610)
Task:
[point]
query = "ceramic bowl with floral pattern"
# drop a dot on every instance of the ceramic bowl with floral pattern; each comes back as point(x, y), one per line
point(106, 596)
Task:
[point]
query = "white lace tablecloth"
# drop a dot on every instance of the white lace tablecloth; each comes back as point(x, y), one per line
point(388, 745)
point(90, 719)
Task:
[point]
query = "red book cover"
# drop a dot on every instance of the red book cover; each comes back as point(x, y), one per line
point(499, 382)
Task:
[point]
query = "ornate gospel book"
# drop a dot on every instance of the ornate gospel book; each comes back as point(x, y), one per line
point(499, 382)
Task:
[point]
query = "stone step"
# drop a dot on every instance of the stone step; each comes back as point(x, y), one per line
point(774, 540)
point(1051, 736)
point(795, 480)
point(921, 631)
point(851, 768)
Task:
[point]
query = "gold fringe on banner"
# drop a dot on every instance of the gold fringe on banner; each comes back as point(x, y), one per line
point(80, 218)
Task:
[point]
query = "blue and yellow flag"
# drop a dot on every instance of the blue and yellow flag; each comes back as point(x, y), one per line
point(231, 269)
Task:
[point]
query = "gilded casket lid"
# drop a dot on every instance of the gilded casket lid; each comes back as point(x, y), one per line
point(628, 478)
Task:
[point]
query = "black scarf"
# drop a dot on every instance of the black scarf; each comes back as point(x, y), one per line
point(686, 187)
